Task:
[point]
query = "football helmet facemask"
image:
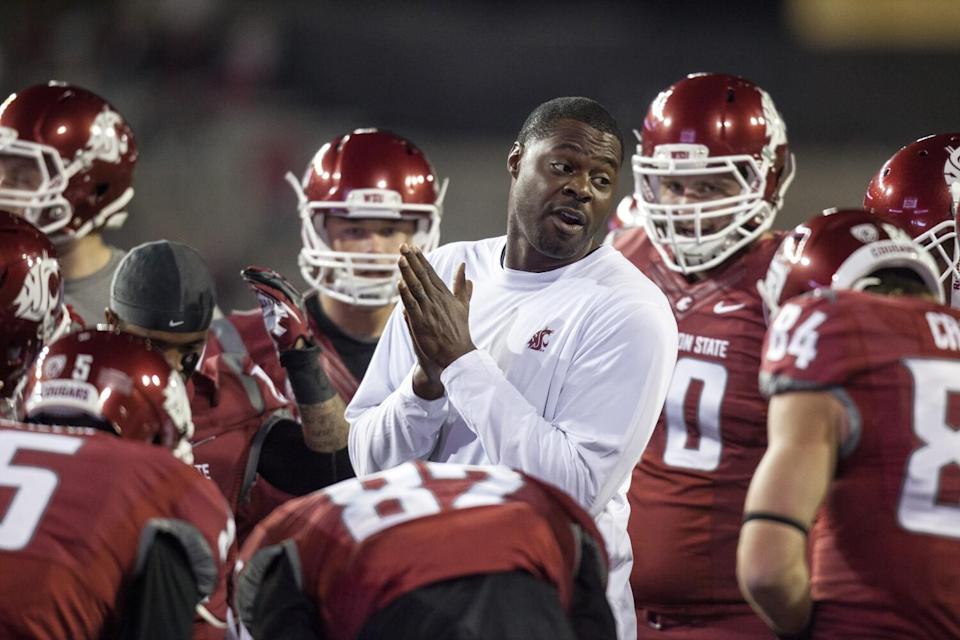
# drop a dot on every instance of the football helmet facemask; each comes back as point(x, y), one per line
point(365, 174)
point(66, 160)
point(715, 127)
point(919, 188)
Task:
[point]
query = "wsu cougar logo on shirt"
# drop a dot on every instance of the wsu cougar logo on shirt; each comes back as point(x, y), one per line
point(539, 340)
point(37, 297)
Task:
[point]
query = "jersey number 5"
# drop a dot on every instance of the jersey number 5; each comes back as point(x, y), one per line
point(34, 486)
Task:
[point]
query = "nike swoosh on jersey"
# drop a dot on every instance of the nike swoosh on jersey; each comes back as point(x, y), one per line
point(176, 323)
point(720, 307)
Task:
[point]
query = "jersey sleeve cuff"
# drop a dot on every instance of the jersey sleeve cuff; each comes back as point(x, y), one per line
point(470, 371)
point(424, 416)
point(195, 546)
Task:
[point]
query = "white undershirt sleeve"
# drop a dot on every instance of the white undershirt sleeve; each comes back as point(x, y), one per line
point(608, 406)
point(389, 423)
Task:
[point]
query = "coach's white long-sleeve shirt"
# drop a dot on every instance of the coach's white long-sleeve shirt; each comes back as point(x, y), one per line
point(569, 376)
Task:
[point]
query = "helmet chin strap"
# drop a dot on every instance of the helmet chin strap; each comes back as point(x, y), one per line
point(340, 283)
point(364, 291)
point(861, 284)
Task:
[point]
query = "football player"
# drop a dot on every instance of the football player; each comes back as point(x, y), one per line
point(32, 312)
point(862, 430)
point(919, 187)
point(363, 195)
point(710, 174)
point(427, 550)
point(66, 164)
point(104, 533)
point(245, 440)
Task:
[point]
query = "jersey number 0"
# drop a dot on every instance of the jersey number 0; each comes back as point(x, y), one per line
point(706, 455)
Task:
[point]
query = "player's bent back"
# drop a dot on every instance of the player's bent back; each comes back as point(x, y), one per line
point(87, 518)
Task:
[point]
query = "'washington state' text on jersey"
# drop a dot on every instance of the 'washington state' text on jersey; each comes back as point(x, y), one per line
point(687, 494)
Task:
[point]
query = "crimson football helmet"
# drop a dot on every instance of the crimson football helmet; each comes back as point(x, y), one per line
point(116, 380)
point(365, 174)
point(709, 124)
point(66, 160)
point(31, 302)
point(919, 188)
point(840, 249)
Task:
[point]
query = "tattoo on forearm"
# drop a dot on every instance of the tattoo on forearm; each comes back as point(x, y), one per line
point(324, 426)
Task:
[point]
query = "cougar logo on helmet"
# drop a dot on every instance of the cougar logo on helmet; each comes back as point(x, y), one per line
point(865, 233)
point(951, 168)
point(53, 366)
point(105, 141)
point(776, 128)
point(35, 300)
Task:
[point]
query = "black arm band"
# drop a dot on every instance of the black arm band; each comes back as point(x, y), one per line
point(774, 517)
point(308, 380)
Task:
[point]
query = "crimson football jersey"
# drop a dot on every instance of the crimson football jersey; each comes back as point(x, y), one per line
point(687, 493)
point(886, 543)
point(362, 543)
point(78, 511)
point(234, 405)
point(242, 338)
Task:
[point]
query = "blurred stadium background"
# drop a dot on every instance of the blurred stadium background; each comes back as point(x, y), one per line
point(226, 96)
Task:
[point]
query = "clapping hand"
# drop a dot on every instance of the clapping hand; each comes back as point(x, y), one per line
point(438, 319)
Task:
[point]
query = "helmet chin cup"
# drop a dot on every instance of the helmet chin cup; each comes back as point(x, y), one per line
point(696, 251)
point(343, 276)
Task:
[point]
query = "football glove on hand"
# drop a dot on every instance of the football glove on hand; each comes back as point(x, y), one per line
point(281, 306)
